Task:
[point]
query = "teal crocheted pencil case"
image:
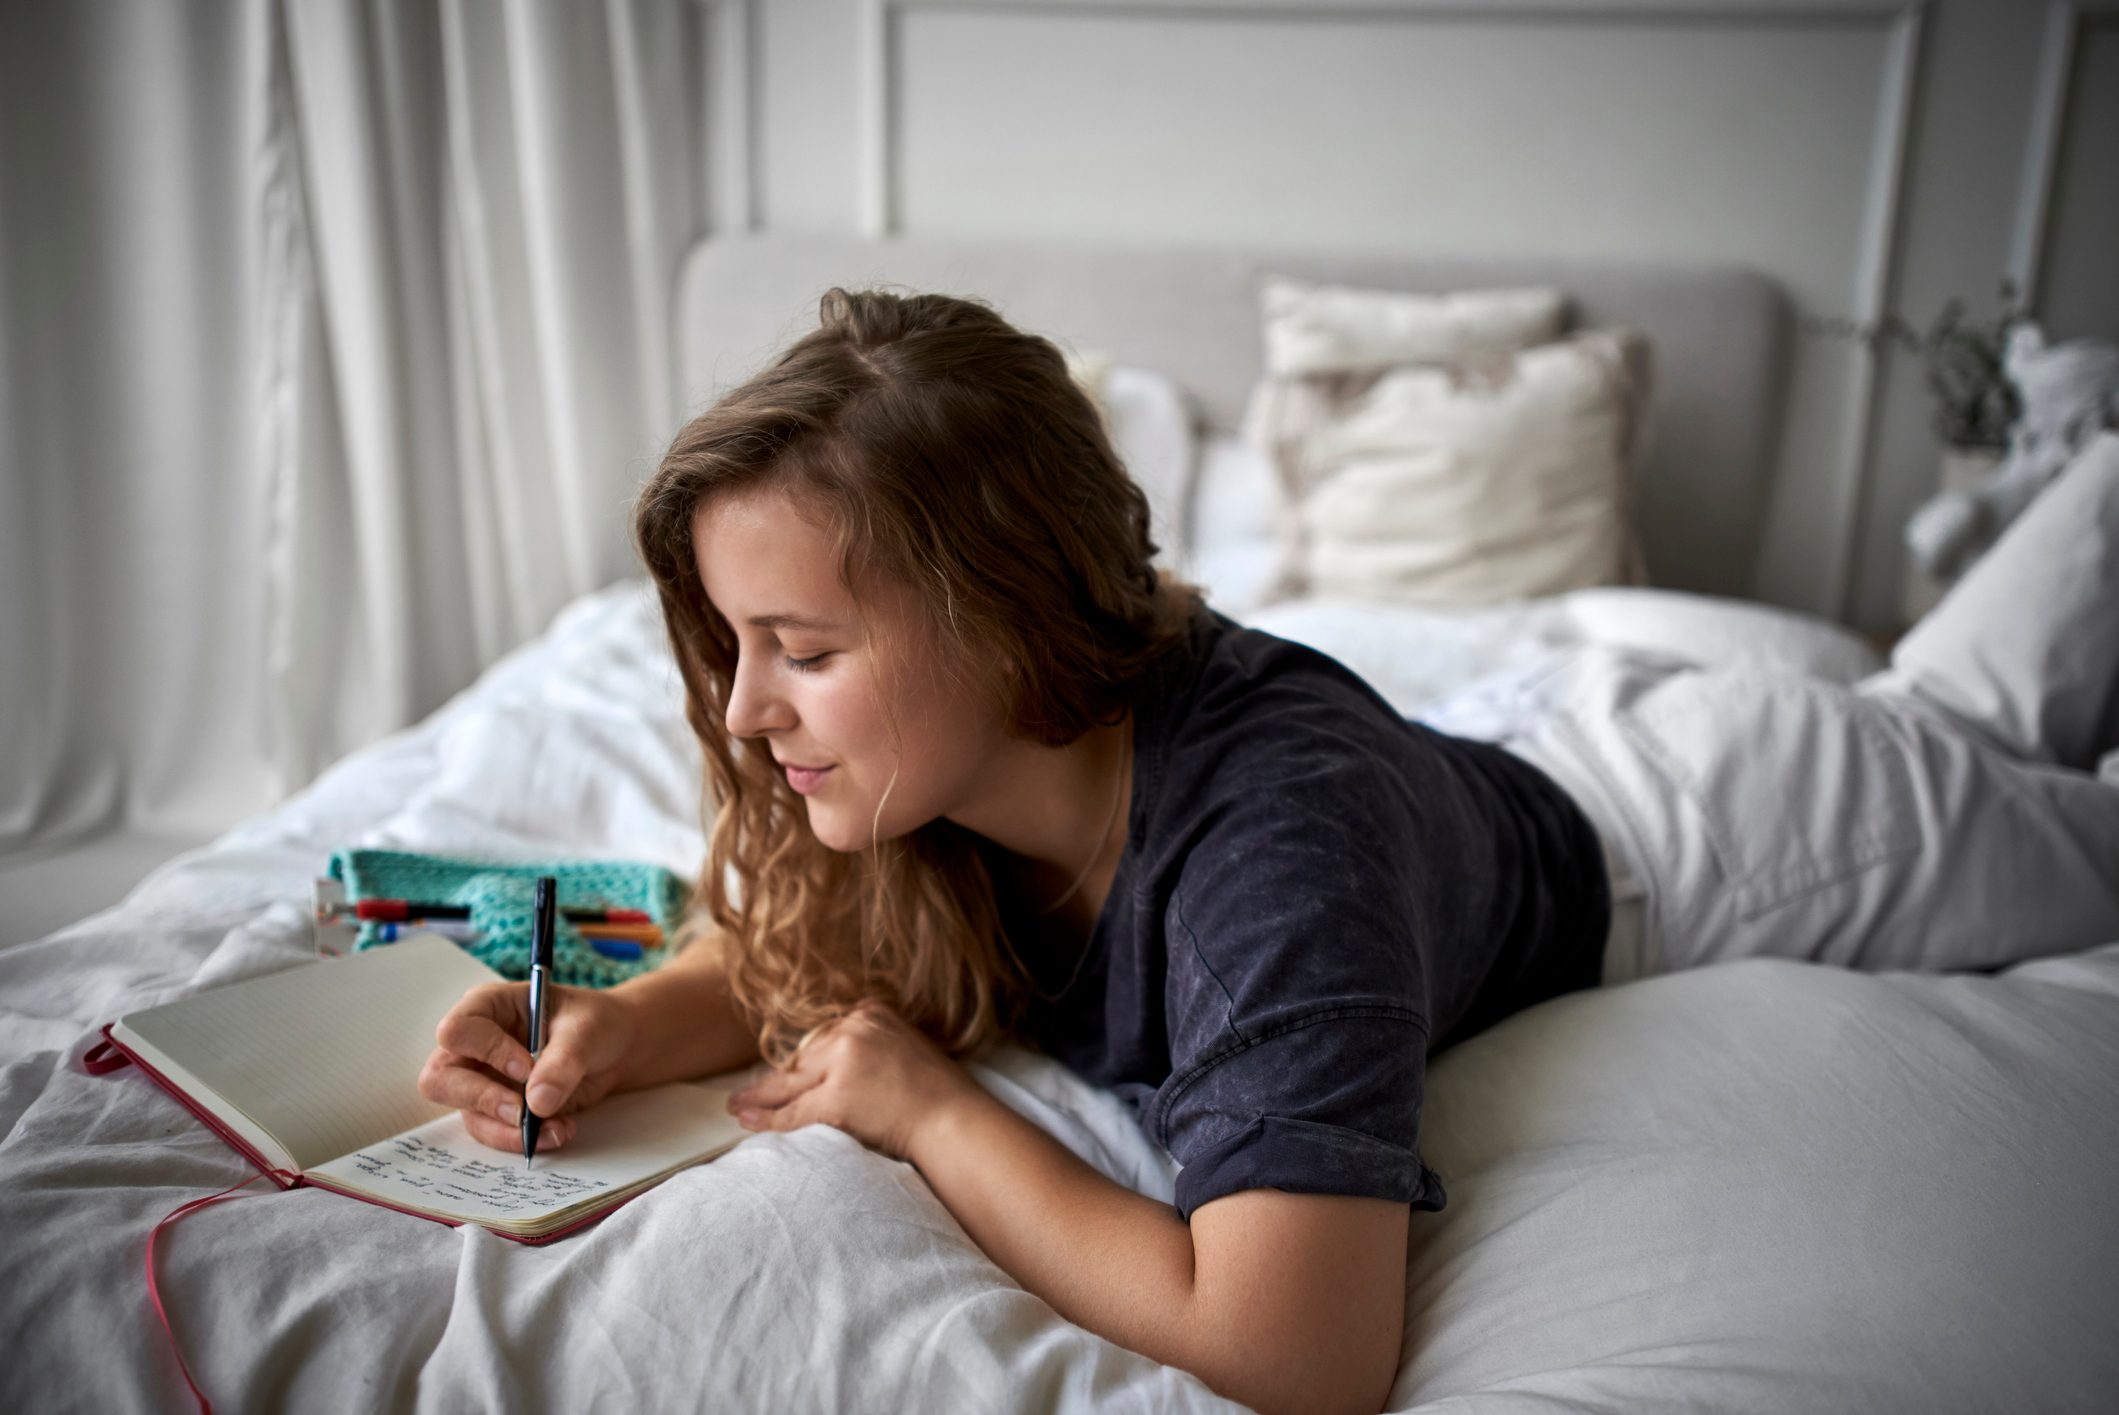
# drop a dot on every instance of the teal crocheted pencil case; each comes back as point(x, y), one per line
point(501, 896)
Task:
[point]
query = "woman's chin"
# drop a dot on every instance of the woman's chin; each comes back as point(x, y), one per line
point(832, 830)
point(842, 831)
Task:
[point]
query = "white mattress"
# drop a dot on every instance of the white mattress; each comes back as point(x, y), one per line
point(1759, 1186)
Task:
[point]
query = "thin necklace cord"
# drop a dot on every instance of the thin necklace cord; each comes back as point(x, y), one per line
point(1096, 852)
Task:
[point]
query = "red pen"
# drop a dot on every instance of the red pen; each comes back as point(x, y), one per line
point(405, 910)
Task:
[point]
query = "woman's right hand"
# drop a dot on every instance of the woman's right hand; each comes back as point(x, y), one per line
point(482, 1060)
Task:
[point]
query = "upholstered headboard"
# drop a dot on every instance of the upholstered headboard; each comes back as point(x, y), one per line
point(1720, 337)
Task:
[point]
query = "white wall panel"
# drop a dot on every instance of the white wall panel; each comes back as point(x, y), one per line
point(1867, 154)
point(2079, 252)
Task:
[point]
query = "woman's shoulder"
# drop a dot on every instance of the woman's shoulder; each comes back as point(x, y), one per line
point(1252, 697)
point(1262, 729)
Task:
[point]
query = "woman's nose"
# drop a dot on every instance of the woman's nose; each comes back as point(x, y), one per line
point(753, 709)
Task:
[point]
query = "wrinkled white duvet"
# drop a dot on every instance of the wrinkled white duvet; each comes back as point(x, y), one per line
point(1757, 1186)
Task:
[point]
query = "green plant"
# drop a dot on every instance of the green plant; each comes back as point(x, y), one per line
point(1975, 402)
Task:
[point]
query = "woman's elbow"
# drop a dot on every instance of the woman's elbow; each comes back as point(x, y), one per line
point(1299, 1299)
point(1294, 1382)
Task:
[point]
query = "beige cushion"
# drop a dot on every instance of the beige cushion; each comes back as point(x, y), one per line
point(1090, 368)
point(1471, 482)
point(1336, 328)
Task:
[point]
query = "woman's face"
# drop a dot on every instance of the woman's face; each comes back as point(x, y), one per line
point(820, 676)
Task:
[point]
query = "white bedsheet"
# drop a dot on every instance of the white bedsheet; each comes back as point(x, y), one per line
point(1761, 1186)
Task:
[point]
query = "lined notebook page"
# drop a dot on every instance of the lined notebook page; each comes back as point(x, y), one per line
point(324, 1057)
point(622, 1141)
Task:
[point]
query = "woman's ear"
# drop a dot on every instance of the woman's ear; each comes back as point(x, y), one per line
point(998, 664)
point(1006, 675)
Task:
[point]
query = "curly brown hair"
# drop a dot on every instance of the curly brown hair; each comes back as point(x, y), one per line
point(954, 453)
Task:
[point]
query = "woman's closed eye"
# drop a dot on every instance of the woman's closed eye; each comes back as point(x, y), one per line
point(805, 665)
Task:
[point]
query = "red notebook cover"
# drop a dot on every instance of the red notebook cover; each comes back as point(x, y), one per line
point(110, 1054)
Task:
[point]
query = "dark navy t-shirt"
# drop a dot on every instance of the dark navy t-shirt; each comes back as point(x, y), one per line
point(1315, 894)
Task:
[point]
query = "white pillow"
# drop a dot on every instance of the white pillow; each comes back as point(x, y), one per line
point(1236, 509)
point(2024, 650)
point(1333, 328)
point(1154, 429)
point(1470, 483)
point(1418, 656)
point(1719, 632)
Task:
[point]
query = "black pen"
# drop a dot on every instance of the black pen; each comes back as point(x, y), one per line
point(540, 968)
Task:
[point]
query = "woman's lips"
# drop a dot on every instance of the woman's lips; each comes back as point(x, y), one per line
point(804, 779)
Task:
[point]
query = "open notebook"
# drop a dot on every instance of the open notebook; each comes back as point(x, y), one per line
point(313, 1073)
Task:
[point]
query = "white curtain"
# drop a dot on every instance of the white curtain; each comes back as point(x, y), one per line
point(333, 342)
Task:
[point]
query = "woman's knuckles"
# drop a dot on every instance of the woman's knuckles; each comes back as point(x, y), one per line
point(492, 1134)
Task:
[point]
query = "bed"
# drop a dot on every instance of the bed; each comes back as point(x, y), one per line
point(1761, 1185)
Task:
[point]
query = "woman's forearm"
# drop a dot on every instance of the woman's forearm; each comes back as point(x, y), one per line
point(1298, 1305)
point(1115, 1262)
point(685, 1025)
point(1285, 1301)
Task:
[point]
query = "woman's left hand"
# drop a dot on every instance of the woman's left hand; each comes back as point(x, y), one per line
point(870, 1073)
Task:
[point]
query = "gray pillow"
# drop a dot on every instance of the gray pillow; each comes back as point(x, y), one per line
point(1775, 1186)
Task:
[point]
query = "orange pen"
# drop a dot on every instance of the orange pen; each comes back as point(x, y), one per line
point(649, 935)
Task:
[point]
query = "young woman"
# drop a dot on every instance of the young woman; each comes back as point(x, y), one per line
point(980, 771)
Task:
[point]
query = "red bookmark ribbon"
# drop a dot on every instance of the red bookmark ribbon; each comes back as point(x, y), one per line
point(155, 1295)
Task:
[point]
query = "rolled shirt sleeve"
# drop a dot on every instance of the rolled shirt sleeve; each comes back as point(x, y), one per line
point(1304, 933)
point(1324, 1103)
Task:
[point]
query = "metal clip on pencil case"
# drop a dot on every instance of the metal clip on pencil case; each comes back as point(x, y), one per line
point(501, 896)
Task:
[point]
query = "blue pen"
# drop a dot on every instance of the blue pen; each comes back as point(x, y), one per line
point(540, 970)
point(615, 947)
point(462, 933)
